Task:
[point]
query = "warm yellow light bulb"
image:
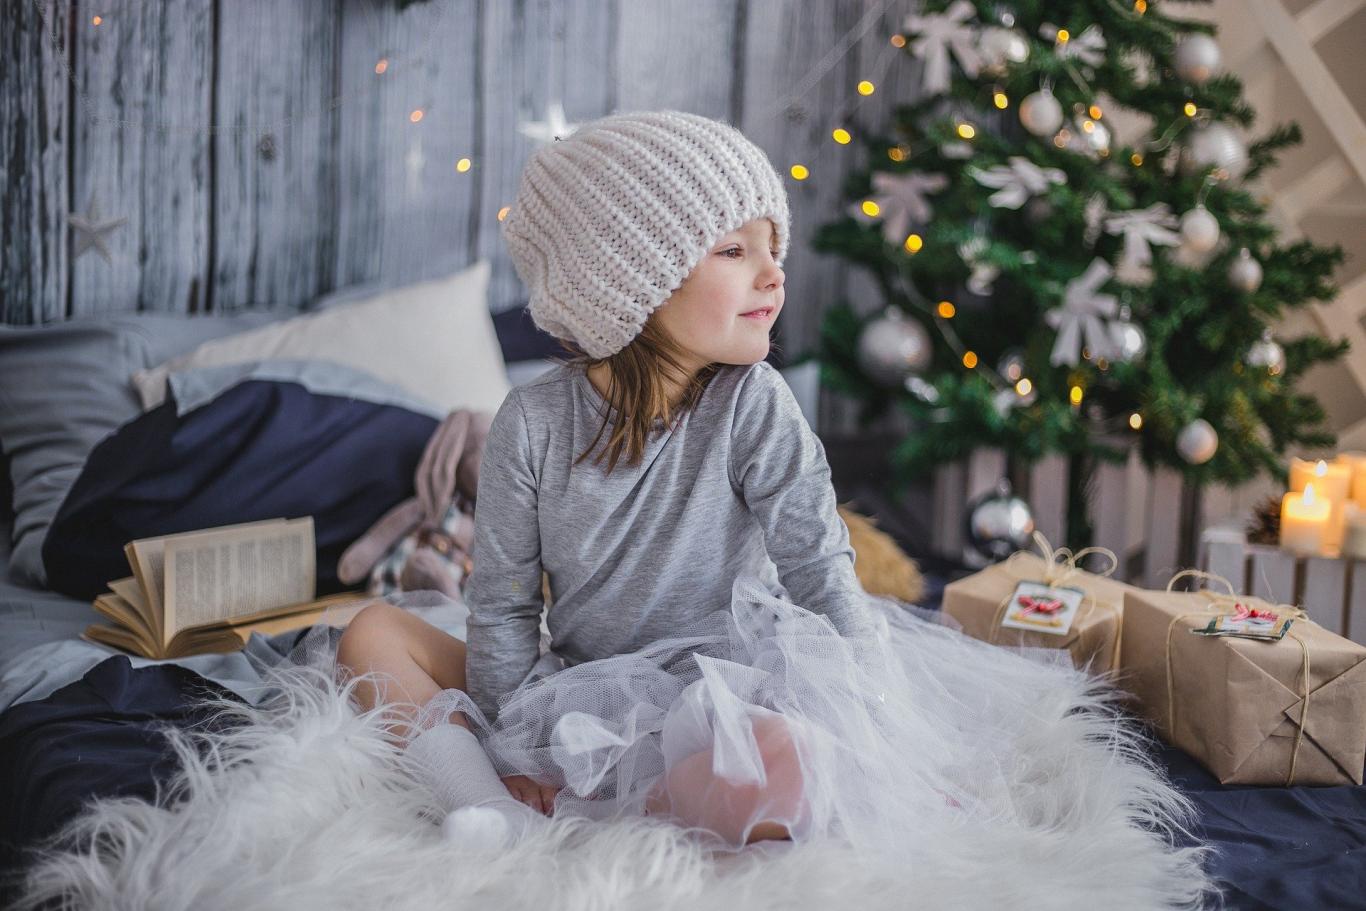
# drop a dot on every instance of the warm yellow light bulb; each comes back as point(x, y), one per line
point(96, 20)
point(969, 359)
point(841, 136)
point(1140, 6)
point(415, 116)
point(913, 243)
point(898, 41)
point(799, 172)
point(1074, 394)
point(1088, 126)
point(947, 309)
point(1023, 387)
point(870, 208)
point(1136, 421)
point(1064, 36)
point(1190, 109)
point(462, 165)
point(966, 130)
point(503, 212)
point(1000, 100)
point(896, 153)
point(1094, 111)
point(1137, 159)
point(381, 66)
point(865, 87)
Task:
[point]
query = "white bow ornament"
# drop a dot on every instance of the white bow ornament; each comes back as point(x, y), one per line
point(1081, 316)
point(901, 201)
point(1141, 229)
point(939, 33)
point(1017, 181)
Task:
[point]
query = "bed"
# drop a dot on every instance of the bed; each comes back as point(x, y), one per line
point(79, 720)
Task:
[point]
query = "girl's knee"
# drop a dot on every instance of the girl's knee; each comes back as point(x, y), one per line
point(367, 633)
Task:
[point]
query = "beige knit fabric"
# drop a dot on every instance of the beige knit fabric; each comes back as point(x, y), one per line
point(608, 222)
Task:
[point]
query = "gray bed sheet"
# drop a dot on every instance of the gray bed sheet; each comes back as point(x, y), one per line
point(41, 650)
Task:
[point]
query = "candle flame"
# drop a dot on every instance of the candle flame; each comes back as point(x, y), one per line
point(1308, 494)
point(1321, 468)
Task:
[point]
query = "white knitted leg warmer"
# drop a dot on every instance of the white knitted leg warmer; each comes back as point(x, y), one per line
point(480, 810)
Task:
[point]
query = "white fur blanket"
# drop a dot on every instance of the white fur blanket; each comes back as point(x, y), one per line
point(303, 807)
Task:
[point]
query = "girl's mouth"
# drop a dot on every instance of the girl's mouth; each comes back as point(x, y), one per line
point(764, 313)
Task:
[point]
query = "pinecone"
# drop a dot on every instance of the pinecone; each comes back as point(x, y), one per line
point(1265, 525)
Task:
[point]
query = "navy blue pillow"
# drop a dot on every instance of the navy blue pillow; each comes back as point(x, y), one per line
point(261, 449)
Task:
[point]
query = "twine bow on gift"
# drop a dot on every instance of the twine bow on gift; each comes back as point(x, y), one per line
point(1231, 605)
point(1060, 565)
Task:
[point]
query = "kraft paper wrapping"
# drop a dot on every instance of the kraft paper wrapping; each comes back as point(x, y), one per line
point(1094, 639)
point(1238, 702)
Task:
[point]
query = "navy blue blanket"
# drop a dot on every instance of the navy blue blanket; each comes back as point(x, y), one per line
point(1277, 848)
point(262, 449)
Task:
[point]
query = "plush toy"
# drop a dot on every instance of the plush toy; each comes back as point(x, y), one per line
point(425, 541)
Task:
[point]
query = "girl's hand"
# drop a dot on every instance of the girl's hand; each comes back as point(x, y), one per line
point(540, 797)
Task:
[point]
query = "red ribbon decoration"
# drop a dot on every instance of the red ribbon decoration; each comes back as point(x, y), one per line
point(1243, 612)
point(1033, 605)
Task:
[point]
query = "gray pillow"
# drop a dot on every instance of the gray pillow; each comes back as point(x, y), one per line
point(64, 387)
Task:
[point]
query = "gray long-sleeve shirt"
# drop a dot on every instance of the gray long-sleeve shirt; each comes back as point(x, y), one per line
point(740, 484)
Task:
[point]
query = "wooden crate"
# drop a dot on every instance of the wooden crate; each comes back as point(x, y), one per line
point(1331, 590)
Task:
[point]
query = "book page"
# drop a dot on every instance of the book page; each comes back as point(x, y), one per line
point(129, 590)
point(221, 574)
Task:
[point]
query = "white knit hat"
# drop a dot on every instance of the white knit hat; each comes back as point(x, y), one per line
point(608, 222)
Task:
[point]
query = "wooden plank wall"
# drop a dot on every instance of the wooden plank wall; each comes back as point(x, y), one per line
point(260, 160)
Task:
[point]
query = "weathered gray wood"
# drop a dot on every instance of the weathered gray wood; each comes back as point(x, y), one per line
point(533, 53)
point(1109, 511)
point(950, 499)
point(405, 213)
point(1164, 511)
point(1323, 590)
point(1356, 603)
point(1227, 558)
point(275, 176)
point(34, 138)
point(1048, 497)
point(1271, 574)
point(144, 79)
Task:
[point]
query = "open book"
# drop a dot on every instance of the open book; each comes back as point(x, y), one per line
point(209, 590)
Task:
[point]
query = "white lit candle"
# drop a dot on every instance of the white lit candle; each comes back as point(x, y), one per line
point(1332, 483)
point(1304, 521)
point(1356, 461)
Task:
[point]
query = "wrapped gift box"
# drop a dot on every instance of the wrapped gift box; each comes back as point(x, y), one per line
point(1237, 705)
point(978, 602)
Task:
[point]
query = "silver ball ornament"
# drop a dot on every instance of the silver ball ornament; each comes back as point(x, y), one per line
point(999, 47)
point(1197, 57)
point(1041, 113)
point(1199, 230)
point(1245, 273)
point(893, 346)
point(1128, 341)
point(999, 523)
point(1214, 145)
point(1266, 354)
point(1197, 442)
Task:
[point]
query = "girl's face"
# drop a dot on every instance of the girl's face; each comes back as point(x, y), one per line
point(739, 274)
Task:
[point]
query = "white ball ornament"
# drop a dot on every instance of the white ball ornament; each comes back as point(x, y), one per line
point(894, 346)
point(1214, 145)
point(1199, 230)
point(1001, 47)
point(1197, 442)
point(1197, 57)
point(1041, 113)
point(1245, 273)
point(1266, 354)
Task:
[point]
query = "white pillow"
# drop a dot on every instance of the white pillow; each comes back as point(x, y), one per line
point(435, 339)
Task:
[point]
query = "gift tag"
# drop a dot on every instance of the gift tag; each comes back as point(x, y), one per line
point(1042, 608)
point(1268, 629)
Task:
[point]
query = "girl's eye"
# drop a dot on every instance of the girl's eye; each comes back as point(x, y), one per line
point(773, 253)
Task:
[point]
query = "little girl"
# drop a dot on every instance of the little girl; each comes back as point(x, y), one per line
point(712, 658)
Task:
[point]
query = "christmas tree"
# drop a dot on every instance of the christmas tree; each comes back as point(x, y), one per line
point(1072, 256)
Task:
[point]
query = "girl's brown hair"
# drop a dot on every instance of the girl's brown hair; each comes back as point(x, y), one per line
point(638, 391)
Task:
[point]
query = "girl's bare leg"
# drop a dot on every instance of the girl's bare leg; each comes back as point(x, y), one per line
point(415, 660)
point(697, 797)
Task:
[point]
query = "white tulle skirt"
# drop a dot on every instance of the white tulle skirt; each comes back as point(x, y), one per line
point(764, 715)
